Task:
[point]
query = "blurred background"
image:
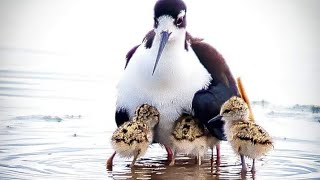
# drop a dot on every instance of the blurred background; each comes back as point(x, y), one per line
point(274, 46)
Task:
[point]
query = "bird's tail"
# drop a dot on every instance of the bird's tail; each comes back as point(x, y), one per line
point(244, 96)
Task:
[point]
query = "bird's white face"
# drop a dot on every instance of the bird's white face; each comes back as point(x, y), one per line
point(174, 27)
point(234, 109)
point(169, 29)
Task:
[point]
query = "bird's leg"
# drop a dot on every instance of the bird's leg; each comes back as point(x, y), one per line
point(173, 161)
point(169, 152)
point(211, 155)
point(211, 160)
point(199, 159)
point(218, 153)
point(253, 169)
point(135, 158)
point(243, 163)
point(110, 161)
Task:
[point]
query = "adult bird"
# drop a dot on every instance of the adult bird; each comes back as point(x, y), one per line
point(176, 73)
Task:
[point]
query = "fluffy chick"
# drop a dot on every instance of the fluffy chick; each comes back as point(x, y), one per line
point(190, 137)
point(246, 137)
point(133, 137)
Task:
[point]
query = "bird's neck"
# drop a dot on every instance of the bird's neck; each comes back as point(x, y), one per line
point(179, 42)
point(175, 44)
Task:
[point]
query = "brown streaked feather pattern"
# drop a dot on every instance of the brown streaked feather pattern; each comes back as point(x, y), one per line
point(190, 137)
point(188, 128)
point(252, 132)
point(146, 113)
point(133, 137)
point(131, 132)
point(248, 139)
point(136, 130)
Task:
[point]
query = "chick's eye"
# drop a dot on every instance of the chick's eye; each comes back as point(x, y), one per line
point(179, 21)
point(227, 111)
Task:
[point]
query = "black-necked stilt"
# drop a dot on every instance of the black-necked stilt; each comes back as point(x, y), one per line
point(176, 73)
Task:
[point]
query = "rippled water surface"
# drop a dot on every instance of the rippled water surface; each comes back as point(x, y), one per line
point(57, 125)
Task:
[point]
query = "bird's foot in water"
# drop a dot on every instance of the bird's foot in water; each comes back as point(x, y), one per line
point(109, 163)
point(170, 154)
point(218, 161)
point(172, 162)
point(244, 170)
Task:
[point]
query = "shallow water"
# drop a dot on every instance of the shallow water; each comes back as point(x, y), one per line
point(58, 125)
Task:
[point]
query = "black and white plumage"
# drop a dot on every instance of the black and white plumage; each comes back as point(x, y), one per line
point(176, 73)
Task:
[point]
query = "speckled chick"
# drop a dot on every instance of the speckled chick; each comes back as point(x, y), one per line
point(246, 137)
point(133, 137)
point(189, 137)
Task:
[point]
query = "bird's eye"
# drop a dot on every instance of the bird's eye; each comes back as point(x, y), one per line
point(179, 21)
point(226, 111)
point(156, 22)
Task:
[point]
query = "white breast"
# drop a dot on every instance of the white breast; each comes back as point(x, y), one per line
point(171, 89)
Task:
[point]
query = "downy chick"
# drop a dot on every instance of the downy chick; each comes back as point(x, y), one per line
point(190, 137)
point(246, 137)
point(133, 137)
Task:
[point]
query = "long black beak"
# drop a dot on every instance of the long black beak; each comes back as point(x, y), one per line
point(164, 39)
point(215, 118)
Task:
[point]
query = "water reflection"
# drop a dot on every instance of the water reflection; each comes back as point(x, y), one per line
point(63, 136)
point(42, 148)
point(186, 168)
point(281, 163)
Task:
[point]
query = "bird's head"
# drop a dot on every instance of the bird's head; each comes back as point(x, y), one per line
point(147, 114)
point(234, 109)
point(169, 23)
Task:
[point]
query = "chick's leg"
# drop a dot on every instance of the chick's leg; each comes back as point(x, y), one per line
point(253, 169)
point(243, 163)
point(135, 158)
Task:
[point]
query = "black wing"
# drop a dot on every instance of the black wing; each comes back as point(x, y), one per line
point(130, 54)
point(206, 103)
point(148, 39)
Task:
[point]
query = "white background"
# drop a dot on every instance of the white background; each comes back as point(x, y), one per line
point(273, 45)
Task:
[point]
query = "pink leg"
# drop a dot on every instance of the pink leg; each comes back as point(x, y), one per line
point(110, 161)
point(218, 153)
point(170, 153)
